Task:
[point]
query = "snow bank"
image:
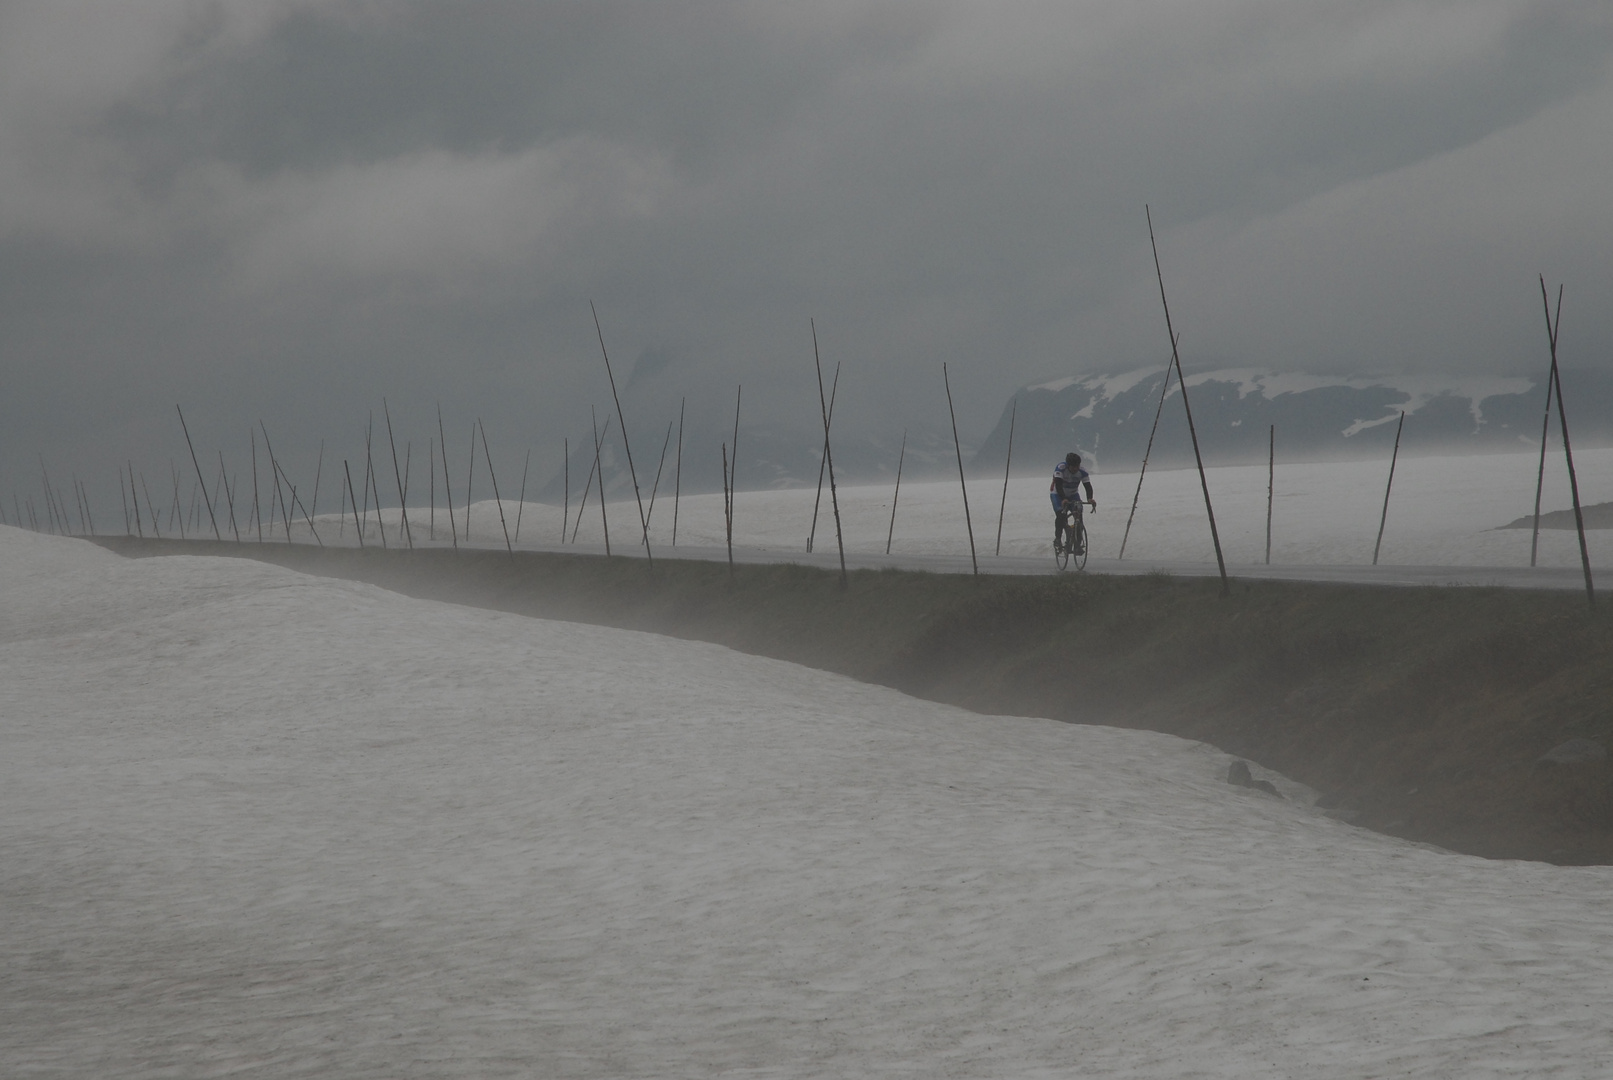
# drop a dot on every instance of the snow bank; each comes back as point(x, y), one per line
point(261, 823)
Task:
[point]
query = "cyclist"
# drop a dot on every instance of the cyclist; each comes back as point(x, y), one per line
point(1068, 478)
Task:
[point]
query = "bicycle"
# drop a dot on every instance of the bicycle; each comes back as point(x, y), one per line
point(1072, 528)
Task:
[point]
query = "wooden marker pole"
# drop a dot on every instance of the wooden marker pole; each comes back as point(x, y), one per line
point(1540, 477)
point(493, 477)
point(216, 534)
point(1008, 464)
point(733, 472)
point(1553, 325)
point(229, 496)
point(470, 477)
point(727, 510)
point(1148, 450)
point(85, 493)
point(274, 465)
point(834, 390)
point(447, 486)
point(403, 498)
point(319, 471)
point(352, 500)
point(828, 457)
point(627, 447)
point(1271, 488)
point(962, 486)
point(257, 507)
point(677, 489)
point(151, 508)
point(565, 472)
point(431, 452)
point(520, 507)
point(1176, 357)
point(599, 468)
point(900, 458)
point(135, 495)
point(592, 469)
point(372, 485)
point(666, 443)
point(1386, 488)
point(297, 503)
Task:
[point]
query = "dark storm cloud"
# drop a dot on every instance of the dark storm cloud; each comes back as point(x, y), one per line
point(289, 209)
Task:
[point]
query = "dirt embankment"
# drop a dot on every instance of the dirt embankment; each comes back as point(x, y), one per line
point(1418, 712)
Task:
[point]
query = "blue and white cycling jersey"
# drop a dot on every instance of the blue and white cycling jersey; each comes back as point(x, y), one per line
point(1067, 483)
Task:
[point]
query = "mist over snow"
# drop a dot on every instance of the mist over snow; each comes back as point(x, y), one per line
point(1241, 414)
point(266, 824)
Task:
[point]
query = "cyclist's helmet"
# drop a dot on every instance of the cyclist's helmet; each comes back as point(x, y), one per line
point(1072, 461)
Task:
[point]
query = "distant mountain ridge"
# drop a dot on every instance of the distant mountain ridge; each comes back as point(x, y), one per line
point(1107, 416)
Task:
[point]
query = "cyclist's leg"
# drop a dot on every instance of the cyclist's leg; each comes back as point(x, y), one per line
point(1058, 518)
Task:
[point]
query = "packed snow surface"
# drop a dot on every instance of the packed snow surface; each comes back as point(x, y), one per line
point(254, 823)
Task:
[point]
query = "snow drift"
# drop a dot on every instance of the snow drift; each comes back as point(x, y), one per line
point(267, 824)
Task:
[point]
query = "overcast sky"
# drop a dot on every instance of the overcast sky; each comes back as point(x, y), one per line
point(279, 210)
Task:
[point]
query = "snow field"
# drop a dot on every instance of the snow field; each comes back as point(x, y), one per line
point(261, 824)
point(1443, 511)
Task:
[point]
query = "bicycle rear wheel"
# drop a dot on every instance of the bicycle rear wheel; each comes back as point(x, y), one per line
point(1061, 554)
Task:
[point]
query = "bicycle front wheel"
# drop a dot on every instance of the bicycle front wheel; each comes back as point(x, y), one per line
point(1081, 545)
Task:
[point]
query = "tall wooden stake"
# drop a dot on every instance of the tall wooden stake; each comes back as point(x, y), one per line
point(1553, 325)
point(727, 510)
point(599, 468)
point(139, 526)
point(319, 471)
point(962, 486)
point(1271, 488)
point(1215, 536)
point(352, 499)
point(274, 466)
point(85, 492)
point(1008, 464)
point(900, 457)
point(1385, 518)
point(257, 507)
point(1148, 450)
point(447, 485)
point(834, 390)
point(565, 505)
point(216, 534)
point(403, 499)
point(470, 477)
point(151, 508)
point(520, 507)
point(431, 452)
point(828, 456)
point(733, 472)
point(373, 486)
point(1540, 477)
point(297, 503)
point(229, 496)
point(666, 443)
point(493, 476)
point(644, 522)
point(677, 488)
